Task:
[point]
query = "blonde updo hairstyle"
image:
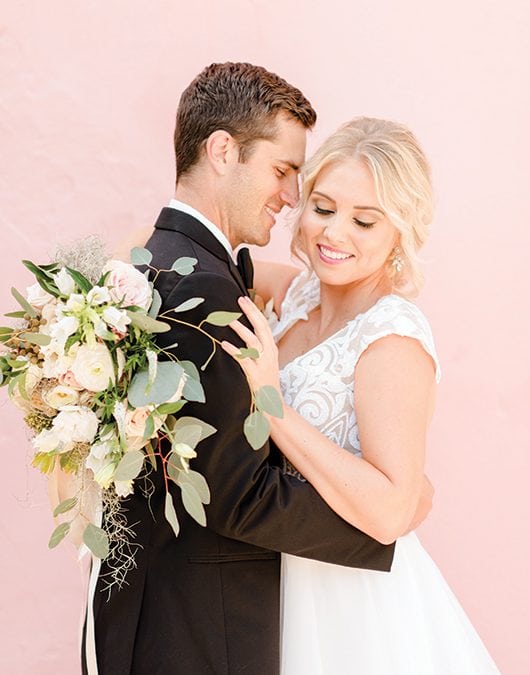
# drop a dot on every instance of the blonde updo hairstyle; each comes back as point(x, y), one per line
point(402, 180)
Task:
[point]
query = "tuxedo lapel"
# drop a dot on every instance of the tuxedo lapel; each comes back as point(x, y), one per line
point(178, 221)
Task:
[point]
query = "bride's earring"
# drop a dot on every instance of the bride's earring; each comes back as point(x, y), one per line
point(397, 261)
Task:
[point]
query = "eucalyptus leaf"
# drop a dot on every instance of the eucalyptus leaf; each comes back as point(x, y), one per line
point(151, 455)
point(173, 467)
point(171, 515)
point(188, 304)
point(129, 465)
point(28, 309)
point(149, 429)
point(155, 305)
point(64, 506)
point(206, 429)
point(16, 315)
point(165, 386)
point(190, 369)
point(170, 408)
point(184, 265)
point(192, 503)
point(147, 323)
point(256, 429)
point(184, 450)
point(190, 434)
point(248, 352)
point(96, 540)
point(141, 256)
point(36, 338)
point(198, 481)
point(59, 534)
point(5, 330)
point(193, 391)
point(268, 400)
point(222, 318)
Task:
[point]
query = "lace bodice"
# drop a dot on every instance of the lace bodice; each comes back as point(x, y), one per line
point(319, 384)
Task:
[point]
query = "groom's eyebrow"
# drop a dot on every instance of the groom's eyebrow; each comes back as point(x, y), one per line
point(292, 165)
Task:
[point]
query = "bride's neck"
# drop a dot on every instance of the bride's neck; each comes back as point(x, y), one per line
point(339, 304)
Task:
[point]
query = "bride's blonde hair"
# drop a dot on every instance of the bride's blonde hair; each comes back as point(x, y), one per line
point(403, 186)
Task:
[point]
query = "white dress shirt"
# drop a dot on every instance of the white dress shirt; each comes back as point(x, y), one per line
point(212, 227)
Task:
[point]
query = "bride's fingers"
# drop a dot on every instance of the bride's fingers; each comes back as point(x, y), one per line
point(257, 319)
point(248, 337)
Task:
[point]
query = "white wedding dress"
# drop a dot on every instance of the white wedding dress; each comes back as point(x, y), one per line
point(342, 621)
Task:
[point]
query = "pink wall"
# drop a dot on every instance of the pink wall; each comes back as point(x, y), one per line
point(87, 97)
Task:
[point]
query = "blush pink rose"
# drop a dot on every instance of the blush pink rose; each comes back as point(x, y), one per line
point(127, 285)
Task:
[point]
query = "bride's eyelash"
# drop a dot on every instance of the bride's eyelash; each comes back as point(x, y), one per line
point(322, 212)
point(362, 223)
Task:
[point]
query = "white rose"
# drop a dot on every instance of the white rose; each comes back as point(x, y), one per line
point(127, 285)
point(116, 318)
point(37, 297)
point(60, 396)
point(64, 282)
point(48, 440)
point(98, 295)
point(93, 367)
point(77, 424)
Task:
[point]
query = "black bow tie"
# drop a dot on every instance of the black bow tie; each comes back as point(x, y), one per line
point(245, 267)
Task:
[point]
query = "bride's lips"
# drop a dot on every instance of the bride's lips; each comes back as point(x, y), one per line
point(333, 256)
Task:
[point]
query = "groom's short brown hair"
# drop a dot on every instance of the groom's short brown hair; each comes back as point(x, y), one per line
point(240, 98)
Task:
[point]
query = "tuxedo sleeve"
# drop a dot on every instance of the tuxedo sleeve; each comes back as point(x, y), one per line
point(252, 499)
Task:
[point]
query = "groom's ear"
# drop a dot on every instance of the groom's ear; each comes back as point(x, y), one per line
point(222, 150)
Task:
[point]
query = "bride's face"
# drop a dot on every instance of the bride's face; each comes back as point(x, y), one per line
point(343, 229)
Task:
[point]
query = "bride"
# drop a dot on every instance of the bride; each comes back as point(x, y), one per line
point(356, 364)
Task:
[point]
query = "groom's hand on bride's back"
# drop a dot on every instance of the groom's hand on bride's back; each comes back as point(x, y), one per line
point(424, 505)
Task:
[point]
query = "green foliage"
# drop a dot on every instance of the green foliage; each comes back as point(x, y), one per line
point(268, 400)
point(64, 506)
point(222, 318)
point(188, 304)
point(184, 265)
point(81, 281)
point(171, 515)
point(130, 465)
point(23, 303)
point(146, 323)
point(141, 256)
point(256, 429)
point(59, 534)
point(163, 388)
point(36, 338)
point(96, 540)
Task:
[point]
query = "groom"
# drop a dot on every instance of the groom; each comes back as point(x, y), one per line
point(209, 600)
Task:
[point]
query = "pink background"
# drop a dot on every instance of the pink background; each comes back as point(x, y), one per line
point(87, 98)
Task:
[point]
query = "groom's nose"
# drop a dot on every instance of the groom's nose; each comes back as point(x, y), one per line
point(291, 194)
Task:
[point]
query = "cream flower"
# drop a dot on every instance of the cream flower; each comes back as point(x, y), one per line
point(77, 424)
point(127, 285)
point(123, 488)
point(60, 396)
point(93, 367)
point(100, 459)
point(98, 295)
point(64, 282)
point(37, 297)
point(116, 318)
point(48, 440)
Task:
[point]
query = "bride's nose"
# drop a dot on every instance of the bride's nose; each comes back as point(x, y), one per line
point(336, 230)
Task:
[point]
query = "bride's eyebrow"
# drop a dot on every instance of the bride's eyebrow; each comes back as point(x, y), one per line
point(369, 208)
point(322, 194)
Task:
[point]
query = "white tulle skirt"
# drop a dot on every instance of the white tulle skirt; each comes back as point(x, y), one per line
point(342, 621)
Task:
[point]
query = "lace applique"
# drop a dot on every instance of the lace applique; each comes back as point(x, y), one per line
point(319, 384)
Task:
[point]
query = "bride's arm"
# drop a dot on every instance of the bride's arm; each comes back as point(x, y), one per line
point(394, 391)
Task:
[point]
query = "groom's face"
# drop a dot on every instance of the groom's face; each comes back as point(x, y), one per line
point(260, 187)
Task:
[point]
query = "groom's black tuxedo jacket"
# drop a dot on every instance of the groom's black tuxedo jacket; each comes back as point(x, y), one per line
point(209, 600)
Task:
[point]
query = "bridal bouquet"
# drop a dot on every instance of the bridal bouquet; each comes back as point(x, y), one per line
point(82, 362)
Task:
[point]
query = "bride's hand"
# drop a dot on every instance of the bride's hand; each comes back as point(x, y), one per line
point(263, 369)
